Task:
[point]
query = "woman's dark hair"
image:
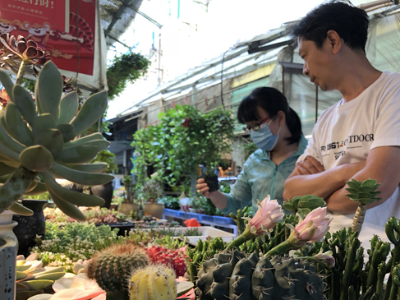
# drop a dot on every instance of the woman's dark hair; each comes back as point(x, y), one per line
point(271, 100)
point(351, 24)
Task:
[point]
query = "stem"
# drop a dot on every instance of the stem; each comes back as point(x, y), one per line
point(282, 248)
point(359, 218)
point(21, 71)
point(239, 240)
point(15, 187)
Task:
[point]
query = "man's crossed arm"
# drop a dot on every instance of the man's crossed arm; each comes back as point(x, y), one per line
point(310, 177)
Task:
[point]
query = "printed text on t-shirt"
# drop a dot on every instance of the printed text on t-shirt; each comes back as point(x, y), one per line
point(351, 139)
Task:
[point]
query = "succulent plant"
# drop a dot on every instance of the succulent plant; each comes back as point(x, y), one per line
point(153, 283)
point(42, 139)
point(171, 258)
point(236, 275)
point(111, 267)
point(17, 54)
point(364, 193)
point(304, 204)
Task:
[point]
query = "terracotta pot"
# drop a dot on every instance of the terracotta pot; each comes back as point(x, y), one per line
point(8, 255)
point(126, 208)
point(104, 191)
point(154, 209)
point(30, 226)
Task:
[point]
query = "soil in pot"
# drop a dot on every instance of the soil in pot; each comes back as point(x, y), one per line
point(29, 227)
point(154, 209)
point(212, 183)
point(104, 191)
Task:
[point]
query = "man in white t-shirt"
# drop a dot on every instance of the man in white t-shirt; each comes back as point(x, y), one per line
point(358, 137)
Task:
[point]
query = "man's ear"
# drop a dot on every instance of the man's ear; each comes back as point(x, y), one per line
point(334, 40)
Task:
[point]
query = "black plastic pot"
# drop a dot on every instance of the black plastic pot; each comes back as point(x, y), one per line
point(29, 227)
point(212, 183)
point(103, 191)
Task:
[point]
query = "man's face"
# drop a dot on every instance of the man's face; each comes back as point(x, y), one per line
point(317, 64)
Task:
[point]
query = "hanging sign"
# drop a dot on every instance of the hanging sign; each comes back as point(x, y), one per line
point(64, 29)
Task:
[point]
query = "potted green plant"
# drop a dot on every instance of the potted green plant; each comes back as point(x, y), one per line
point(210, 176)
point(196, 204)
point(128, 205)
point(150, 193)
point(184, 138)
point(40, 137)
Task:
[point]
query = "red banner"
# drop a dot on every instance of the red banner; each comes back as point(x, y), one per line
point(65, 29)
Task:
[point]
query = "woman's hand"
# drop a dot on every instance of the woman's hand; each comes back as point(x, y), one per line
point(202, 187)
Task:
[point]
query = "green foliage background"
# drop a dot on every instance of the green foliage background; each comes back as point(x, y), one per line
point(184, 138)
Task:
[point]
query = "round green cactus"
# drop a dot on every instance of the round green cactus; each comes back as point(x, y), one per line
point(41, 136)
point(112, 266)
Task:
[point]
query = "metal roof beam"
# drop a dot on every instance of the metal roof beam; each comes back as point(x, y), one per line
point(117, 16)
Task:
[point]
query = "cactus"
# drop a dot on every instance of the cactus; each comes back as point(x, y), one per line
point(153, 283)
point(111, 267)
point(38, 138)
point(172, 258)
point(238, 218)
point(364, 193)
point(236, 275)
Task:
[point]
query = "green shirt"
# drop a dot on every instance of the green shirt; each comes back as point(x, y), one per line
point(259, 178)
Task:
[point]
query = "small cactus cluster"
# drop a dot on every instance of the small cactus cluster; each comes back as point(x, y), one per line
point(236, 275)
point(173, 258)
point(111, 267)
point(153, 283)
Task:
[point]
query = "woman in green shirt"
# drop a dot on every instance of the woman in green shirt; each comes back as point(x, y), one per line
point(275, 128)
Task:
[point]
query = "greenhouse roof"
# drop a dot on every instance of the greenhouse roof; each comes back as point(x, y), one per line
point(240, 59)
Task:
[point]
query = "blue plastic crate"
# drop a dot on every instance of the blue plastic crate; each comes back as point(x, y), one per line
point(206, 218)
point(171, 212)
point(223, 220)
point(181, 214)
point(193, 216)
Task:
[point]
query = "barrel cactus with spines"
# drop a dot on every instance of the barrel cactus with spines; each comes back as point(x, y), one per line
point(111, 268)
point(41, 137)
point(237, 275)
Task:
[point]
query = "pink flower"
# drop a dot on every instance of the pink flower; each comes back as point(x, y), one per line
point(314, 227)
point(325, 258)
point(268, 214)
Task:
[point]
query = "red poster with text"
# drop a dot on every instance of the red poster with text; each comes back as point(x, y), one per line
point(65, 29)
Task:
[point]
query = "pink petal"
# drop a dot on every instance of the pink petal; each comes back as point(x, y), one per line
point(101, 297)
point(88, 294)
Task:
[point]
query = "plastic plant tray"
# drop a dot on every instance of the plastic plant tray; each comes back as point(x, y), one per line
point(193, 216)
point(223, 220)
point(206, 218)
point(171, 212)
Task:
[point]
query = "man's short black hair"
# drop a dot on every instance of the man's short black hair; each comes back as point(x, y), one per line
point(351, 23)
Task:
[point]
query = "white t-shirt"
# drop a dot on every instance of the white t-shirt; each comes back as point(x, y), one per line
point(346, 132)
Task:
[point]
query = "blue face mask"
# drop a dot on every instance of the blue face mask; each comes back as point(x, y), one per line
point(263, 137)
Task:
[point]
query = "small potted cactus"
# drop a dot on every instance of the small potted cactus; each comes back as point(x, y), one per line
point(41, 137)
